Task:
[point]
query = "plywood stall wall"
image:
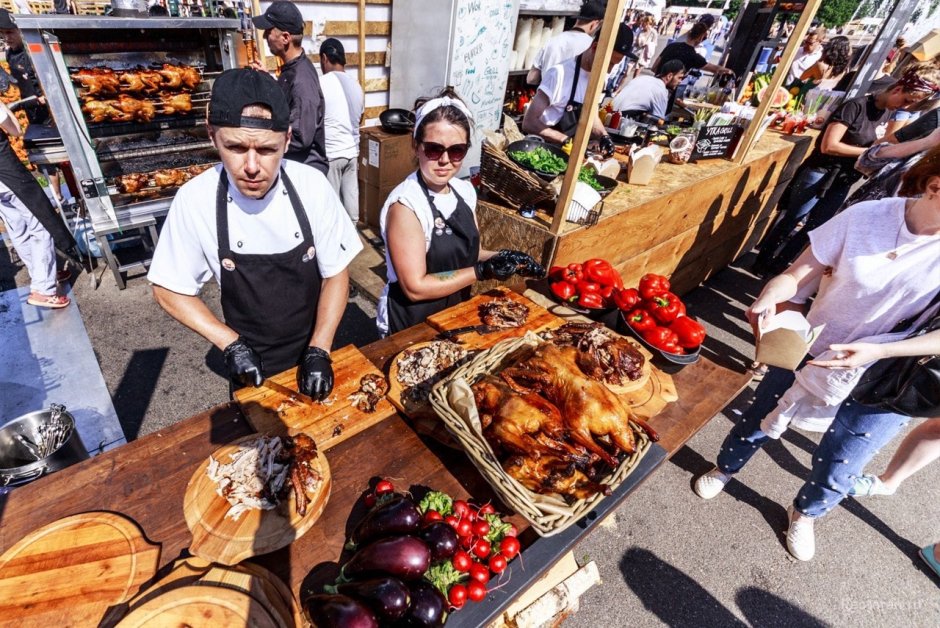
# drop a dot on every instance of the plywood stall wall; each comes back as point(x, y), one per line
point(340, 19)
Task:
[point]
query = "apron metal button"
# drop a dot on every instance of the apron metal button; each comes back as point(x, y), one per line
point(297, 235)
point(229, 199)
point(228, 264)
point(311, 252)
point(239, 244)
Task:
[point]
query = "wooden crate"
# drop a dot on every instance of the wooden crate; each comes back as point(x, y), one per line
point(91, 7)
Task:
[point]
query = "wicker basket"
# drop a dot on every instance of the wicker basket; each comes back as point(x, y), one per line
point(510, 182)
point(452, 399)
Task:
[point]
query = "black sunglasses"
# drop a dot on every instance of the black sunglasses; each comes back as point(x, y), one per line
point(455, 152)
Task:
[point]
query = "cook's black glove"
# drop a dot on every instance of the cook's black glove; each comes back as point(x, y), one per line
point(526, 266)
point(500, 267)
point(607, 146)
point(315, 374)
point(244, 364)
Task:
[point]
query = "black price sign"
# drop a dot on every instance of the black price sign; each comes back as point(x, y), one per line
point(716, 141)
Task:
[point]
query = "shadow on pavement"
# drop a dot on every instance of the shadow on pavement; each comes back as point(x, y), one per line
point(675, 598)
point(138, 384)
point(764, 609)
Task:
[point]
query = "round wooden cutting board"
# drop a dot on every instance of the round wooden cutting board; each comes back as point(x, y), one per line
point(200, 606)
point(74, 568)
point(223, 540)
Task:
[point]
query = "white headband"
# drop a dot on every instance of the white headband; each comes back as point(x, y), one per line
point(437, 103)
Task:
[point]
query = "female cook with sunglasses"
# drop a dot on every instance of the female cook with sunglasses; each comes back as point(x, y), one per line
point(428, 222)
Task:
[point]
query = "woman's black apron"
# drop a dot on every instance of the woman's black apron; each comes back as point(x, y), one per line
point(270, 299)
point(568, 124)
point(455, 244)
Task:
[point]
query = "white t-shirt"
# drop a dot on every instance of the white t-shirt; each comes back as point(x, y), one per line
point(644, 93)
point(187, 254)
point(803, 61)
point(410, 194)
point(565, 46)
point(342, 109)
point(868, 293)
point(556, 84)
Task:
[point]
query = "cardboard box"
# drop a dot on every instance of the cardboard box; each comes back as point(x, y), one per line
point(785, 340)
point(385, 159)
point(371, 200)
point(642, 164)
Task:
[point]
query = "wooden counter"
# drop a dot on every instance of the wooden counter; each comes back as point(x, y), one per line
point(146, 480)
point(690, 221)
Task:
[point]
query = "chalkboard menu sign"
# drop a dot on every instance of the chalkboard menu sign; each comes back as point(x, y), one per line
point(716, 141)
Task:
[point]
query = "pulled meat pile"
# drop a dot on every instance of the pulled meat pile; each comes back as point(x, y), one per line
point(419, 369)
point(372, 388)
point(602, 354)
point(503, 313)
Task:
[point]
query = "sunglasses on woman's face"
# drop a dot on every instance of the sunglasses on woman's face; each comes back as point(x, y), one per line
point(455, 152)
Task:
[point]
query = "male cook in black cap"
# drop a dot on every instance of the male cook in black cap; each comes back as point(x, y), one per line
point(284, 31)
point(272, 232)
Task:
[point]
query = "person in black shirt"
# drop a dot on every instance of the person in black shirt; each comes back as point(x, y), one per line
point(684, 51)
point(284, 32)
point(823, 181)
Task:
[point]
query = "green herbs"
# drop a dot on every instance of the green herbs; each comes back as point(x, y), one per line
point(587, 176)
point(438, 501)
point(673, 129)
point(540, 159)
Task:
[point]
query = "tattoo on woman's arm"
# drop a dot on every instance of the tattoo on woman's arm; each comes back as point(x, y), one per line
point(447, 275)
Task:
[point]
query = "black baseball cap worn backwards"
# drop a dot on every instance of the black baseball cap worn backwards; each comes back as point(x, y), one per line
point(6, 21)
point(236, 89)
point(282, 15)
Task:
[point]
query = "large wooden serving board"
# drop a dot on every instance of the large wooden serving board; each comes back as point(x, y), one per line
point(71, 571)
point(330, 423)
point(467, 313)
point(224, 540)
point(197, 607)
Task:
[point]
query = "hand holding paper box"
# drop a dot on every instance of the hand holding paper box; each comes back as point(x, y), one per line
point(785, 339)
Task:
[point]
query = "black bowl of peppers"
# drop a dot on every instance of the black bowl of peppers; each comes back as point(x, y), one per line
point(587, 288)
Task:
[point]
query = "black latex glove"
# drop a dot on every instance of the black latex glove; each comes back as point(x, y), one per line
point(244, 364)
point(526, 266)
point(607, 146)
point(315, 374)
point(500, 267)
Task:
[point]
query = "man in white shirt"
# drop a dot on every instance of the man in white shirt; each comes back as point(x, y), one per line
point(569, 44)
point(650, 94)
point(344, 104)
point(808, 54)
point(281, 262)
point(554, 112)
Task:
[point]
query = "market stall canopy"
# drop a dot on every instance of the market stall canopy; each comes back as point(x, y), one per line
point(927, 47)
point(653, 7)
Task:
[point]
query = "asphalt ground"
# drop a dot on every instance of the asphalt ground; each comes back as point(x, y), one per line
point(666, 557)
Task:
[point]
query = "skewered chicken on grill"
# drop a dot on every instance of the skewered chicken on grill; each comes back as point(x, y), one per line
point(589, 408)
point(170, 177)
point(131, 183)
point(97, 81)
point(176, 103)
point(140, 110)
point(176, 76)
point(124, 109)
point(548, 474)
point(141, 80)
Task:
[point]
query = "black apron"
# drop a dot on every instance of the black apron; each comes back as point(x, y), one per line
point(569, 119)
point(455, 244)
point(270, 299)
point(24, 186)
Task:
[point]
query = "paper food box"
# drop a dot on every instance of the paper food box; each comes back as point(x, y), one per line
point(642, 164)
point(786, 339)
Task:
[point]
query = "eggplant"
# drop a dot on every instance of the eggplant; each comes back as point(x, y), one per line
point(441, 538)
point(395, 517)
point(388, 597)
point(428, 607)
point(339, 611)
point(404, 557)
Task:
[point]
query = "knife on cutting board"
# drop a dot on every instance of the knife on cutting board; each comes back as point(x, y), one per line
point(451, 334)
point(287, 392)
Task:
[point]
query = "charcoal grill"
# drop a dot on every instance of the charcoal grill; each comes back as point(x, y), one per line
point(99, 154)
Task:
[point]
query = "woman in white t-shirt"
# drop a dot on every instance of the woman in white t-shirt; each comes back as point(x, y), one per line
point(432, 242)
point(877, 264)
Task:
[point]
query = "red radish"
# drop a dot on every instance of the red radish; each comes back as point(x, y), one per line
point(512, 531)
point(452, 520)
point(481, 549)
point(510, 547)
point(369, 500)
point(487, 509)
point(479, 572)
point(462, 561)
point(461, 508)
point(498, 563)
point(384, 486)
point(432, 516)
point(457, 596)
point(476, 591)
point(464, 527)
point(481, 527)
point(467, 542)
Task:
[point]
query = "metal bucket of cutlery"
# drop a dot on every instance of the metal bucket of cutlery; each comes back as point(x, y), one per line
point(37, 444)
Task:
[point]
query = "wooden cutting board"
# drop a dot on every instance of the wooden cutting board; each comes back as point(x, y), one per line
point(71, 571)
point(197, 607)
point(255, 586)
point(329, 424)
point(227, 541)
point(467, 313)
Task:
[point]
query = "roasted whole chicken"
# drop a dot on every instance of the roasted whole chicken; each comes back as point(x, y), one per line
point(176, 103)
point(589, 408)
point(97, 81)
point(123, 109)
point(134, 182)
point(169, 177)
point(550, 474)
point(141, 81)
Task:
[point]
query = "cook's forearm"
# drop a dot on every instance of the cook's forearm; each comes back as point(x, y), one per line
point(334, 292)
point(193, 313)
point(438, 285)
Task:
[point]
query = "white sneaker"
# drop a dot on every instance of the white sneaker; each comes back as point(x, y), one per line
point(712, 483)
point(868, 485)
point(801, 540)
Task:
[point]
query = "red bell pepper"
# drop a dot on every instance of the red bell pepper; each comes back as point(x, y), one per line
point(663, 338)
point(589, 287)
point(690, 332)
point(556, 273)
point(608, 293)
point(563, 291)
point(626, 300)
point(600, 271)
point(575, 272)
point(650, 284)
point(565, 273)
point(592, 300)
point(640, 320)
point(665, 307)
